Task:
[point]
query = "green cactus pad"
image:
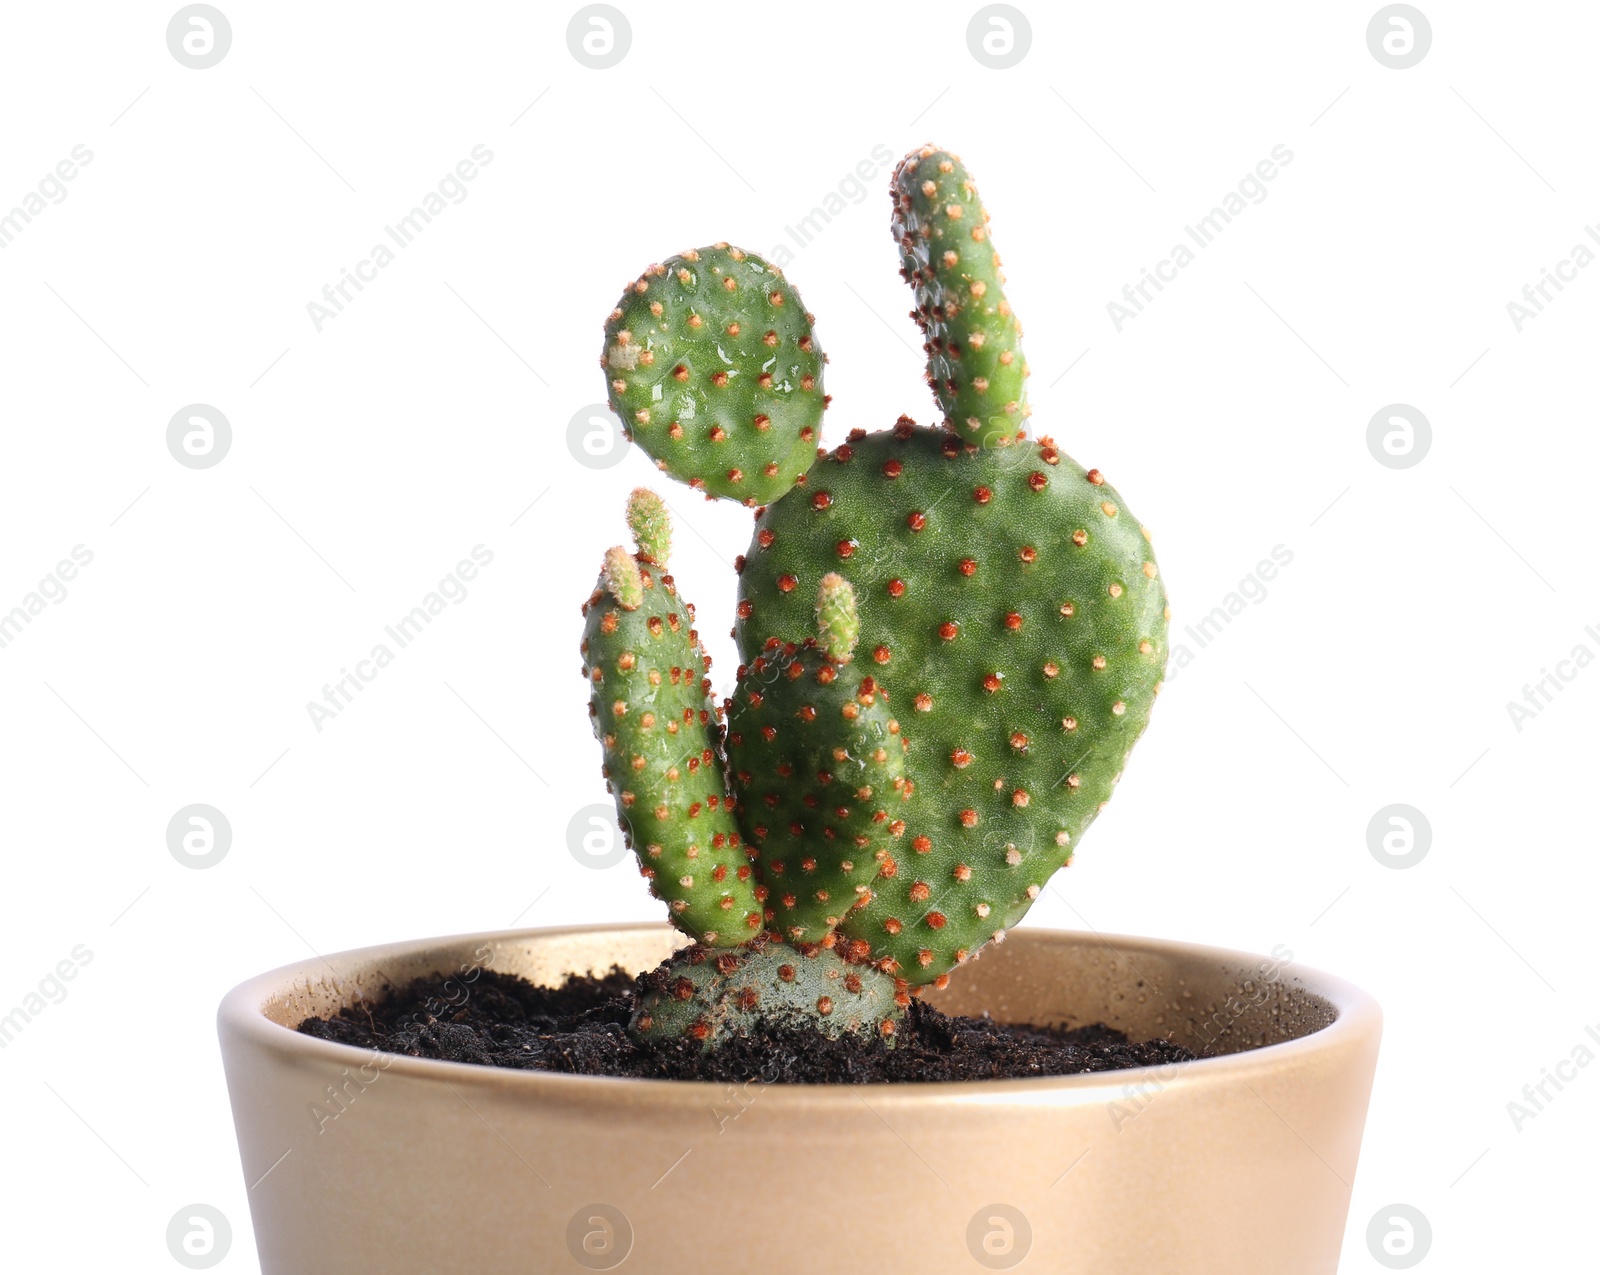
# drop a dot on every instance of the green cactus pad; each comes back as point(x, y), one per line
point(976, 367)
point(1009, 602)
point(818, 765)
point(651, 705)
point(710, 996)
point(712, 367)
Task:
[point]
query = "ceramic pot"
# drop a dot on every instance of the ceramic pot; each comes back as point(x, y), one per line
point(1240, 1163)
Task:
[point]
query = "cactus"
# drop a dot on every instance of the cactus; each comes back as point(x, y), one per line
point(712, 367)
point(950, 640)
point(650, 698)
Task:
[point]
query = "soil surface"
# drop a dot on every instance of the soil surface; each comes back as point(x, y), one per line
point(501, 1020)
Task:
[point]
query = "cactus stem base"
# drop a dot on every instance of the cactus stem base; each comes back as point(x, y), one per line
point(713, 994)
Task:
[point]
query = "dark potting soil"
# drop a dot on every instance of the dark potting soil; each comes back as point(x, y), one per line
point(501, 1020)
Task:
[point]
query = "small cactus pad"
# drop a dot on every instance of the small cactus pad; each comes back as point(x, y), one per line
point(710, 996)
point(1010, 603)
point(712, 367)
point(651, 703)
point(818, 765)
point(975, 362)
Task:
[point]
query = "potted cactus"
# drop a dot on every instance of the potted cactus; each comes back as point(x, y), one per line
point(950, 639)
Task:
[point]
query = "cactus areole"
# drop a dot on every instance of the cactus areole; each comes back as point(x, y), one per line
point(950, 640)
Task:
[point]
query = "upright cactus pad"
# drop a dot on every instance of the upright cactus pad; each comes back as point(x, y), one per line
point(651, 703)
point(1010, 603)
point(950, 640)
point(712, 367)
point(819, 772)
point(976, 367)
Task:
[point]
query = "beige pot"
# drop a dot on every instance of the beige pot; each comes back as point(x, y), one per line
point(1239, 1163)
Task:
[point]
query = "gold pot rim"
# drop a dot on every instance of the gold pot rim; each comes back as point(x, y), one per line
point(243, 1014)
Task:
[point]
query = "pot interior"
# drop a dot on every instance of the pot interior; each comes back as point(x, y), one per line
point(1212, 1001)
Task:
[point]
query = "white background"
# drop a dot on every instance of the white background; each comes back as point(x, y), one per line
point(431, 416)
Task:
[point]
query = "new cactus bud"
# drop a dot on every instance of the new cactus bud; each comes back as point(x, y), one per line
point(818, 764)
point(651, 525)
point(838, 625)
point(651, 703)
point(976, 367)
point(713, 368)
point(621, 578)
